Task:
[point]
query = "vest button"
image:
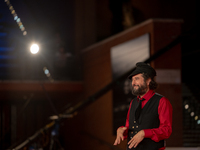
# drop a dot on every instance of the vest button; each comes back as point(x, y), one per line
point(133, 127)
point(136, 126)
point(134, 121)
point(131, 132)
point(135, 131)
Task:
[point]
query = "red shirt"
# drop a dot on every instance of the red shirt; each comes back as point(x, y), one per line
point(165, 116)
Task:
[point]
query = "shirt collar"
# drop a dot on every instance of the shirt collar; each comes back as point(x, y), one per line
point(148, 95)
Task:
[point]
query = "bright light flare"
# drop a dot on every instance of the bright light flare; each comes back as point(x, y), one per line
point(34, 49)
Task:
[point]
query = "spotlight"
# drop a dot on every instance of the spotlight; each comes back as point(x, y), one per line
point(34, 49)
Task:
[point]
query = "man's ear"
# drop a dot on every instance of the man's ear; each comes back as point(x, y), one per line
point(148, 81)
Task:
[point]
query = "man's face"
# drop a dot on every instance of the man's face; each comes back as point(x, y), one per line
point(140, 86)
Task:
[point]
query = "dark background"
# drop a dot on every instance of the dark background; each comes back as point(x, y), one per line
point(45, 21)
point(57, 23)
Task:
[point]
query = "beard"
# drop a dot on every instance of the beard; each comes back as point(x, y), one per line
point(141, 89)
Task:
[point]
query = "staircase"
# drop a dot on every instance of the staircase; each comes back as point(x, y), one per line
point(191, 115)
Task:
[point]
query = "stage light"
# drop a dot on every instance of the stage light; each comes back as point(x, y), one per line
point(16, 17)
point(198, 122)
point(34, 49)
point(13, 11)
point(18, 20)
point(11, 8)
point(186, 106)
point(24, 33)
point(7, 2)
point(46, 71)
point(192, 114)
point(21, 26)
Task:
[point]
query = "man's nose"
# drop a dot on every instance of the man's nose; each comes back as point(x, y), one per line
point(133, 82)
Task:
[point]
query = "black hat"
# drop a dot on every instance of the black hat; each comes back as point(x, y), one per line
point(142, 67)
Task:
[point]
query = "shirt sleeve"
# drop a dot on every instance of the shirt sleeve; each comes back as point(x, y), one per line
point(165, 116)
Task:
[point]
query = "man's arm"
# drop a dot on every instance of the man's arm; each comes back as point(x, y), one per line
point(165, 117)
point(120, 135)
point(136, 139)
point(122, 132)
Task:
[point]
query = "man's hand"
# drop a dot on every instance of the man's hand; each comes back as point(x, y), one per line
point(120, 136)
point(136, 139)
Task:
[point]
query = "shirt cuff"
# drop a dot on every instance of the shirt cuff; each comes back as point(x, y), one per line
point(148, 133)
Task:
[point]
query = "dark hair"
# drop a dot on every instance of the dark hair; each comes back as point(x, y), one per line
point(153, 84)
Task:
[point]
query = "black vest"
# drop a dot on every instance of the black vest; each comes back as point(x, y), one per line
point(148, 119)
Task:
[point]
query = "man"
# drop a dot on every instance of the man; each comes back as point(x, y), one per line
point(149, 119)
